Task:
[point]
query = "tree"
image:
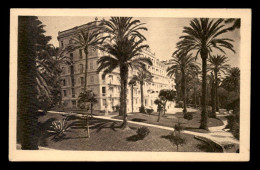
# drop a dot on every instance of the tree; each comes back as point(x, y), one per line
point(236, 23)
point(211, 85)
point(142, 77)
point(85, 99)
point(183, 63)
point(86, 39)
point(168, 95)
point(217, 64)
point(132, 83)
point(202, 36)
point(30, 33)
point(159, 102)
point(233, 78)
point(194, 83)
point(124, 49)
point(48, 61)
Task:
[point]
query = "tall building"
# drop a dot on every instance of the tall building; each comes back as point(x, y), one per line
point(107, 90)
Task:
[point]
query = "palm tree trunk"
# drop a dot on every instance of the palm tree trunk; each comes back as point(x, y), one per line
point(124, 77)
point(195, 97)
point(27, 115)
point(142, 96)
point(121, 109)
point(164, 105)
point(216, 91)
point(213, 100)
point(204, 114)
point(184, 92)
point(86, 68)
point(132, 97)
point(159, 115)
point(91, 109)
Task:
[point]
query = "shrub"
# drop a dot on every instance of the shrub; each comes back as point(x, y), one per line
point(149, 111)
point(233, 120)
point(188, 116)
point(235, 130)
point(177, 140)
point(142, 132)
point(59, 127)
point(117, 108)
point(178, 127)
point(142, 110)
point(180, 104)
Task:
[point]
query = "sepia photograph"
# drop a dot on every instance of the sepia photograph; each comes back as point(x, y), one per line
point(129, 84)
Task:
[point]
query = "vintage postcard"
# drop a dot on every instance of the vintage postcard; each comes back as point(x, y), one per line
point(130, 85)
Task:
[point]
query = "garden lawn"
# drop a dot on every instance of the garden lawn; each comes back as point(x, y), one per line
point(106, 135)
point(169, 120)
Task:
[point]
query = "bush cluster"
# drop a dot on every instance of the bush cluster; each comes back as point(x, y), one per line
point(142, 132)
point(233, 120)
point(180, 104)
point(188, 116)
point(149, 111)
point(142, 110)
point(233, 124)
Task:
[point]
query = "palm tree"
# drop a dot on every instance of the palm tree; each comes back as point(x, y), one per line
point(233, 78)
point(159, 102)
point(194, 83)
point(217, 64)
point(142, 77)
point(202, 36)
point(183, 63)
point(123, 49)
point(212, 89)
point(132, 83)
point(30, 33)
point(86, 39)
point(236, 23)
point(48, 62)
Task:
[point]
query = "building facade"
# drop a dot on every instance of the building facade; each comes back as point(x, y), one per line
point(107, 90)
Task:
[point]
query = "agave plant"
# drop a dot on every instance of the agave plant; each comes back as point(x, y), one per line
point(59, 127)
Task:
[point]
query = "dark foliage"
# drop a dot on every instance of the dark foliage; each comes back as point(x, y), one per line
point(30, 37)
point(149, 111)
point(188, 116)
point(143, 132)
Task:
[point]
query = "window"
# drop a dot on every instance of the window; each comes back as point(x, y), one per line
point(111, 90)
point(71, 69)
point(71, 56)
point(63, 70)
point(81, 68)
point(64, 93)
point(74, 103)
point(73, 92)
point(62, 45)
point(81, 81)
point(64, 82)
point(103, 91)
point(91, 65)
point(80, 53)
point(75, 70)
point(72, 81)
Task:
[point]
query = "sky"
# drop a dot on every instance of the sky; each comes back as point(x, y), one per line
point(162, 34)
